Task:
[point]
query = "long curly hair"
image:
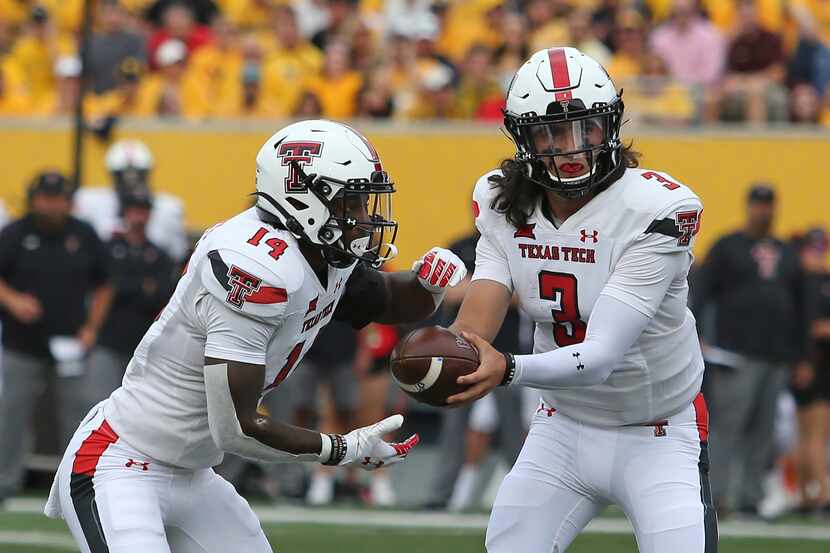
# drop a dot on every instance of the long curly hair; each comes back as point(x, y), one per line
point(517, 197)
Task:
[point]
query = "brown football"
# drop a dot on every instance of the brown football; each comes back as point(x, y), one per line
point(427, 361)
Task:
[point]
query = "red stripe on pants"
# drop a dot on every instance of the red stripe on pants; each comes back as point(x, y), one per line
point(87, 456)
point(702, 417)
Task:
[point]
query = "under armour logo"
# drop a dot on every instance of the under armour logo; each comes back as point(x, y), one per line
point(564, 104)
point(312, 305)
point(579, 365)
point(138, 464)
point(368, 461)
point(549, 410)
point(585, 236)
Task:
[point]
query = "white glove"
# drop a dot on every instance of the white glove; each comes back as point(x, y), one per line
point(366, 447)
point(437, 270)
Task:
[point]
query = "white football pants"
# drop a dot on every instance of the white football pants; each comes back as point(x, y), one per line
point(568, 472)
point(116, 500)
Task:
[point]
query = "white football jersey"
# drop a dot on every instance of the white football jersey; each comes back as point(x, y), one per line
point(247, 295)
point(558, 274)
point(98, 206)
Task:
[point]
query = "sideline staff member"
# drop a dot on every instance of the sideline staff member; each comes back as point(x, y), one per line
point(53, 283)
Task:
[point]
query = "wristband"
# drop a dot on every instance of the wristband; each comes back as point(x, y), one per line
point(325, 448)
point(338, 449)
point(509, 370)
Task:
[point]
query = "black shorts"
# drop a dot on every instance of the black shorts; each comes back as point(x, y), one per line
point(818, 390)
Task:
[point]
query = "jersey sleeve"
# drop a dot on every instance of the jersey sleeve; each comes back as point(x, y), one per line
point(244, 285)
point(491, 261)
point(644, 273)
point(364, 298)
point(230, 334)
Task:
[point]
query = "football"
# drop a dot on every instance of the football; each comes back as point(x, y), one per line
point(427, 362)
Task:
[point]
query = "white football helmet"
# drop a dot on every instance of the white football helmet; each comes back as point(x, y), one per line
point(318, 179)
point(129, 162)
point(564, 116)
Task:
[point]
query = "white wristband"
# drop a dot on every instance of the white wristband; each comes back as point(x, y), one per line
point(325, 450)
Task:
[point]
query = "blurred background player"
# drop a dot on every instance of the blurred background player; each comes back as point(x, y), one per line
point(55, 291)
point(142, 280)
point(130, 164)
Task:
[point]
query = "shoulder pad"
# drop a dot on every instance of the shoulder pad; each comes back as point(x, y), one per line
point(653, 192)
point(243, 284)
point(483, 194)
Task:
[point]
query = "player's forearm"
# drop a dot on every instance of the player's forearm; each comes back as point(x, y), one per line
point(407, 301)
point(284, 437)
point(99, 306)
point(613, 328)
point(7, 293)
point(242, 431)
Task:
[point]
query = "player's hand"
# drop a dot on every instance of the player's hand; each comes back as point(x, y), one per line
point(488, 375)
point(439, 269)
point(87, 336)
point(365, 446)
point(803, 375)
point(25, 308)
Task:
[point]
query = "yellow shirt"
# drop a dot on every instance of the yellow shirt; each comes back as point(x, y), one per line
point(37, 62)
point(722, 12)
point(66, 13)
point(338, 97)
point(466, 25)
point(15, 98)
point(668, 102)
point(623, 67)
point(249, 14)
point(820, 11)
point(152, 90)
point(554, 33)
point(283, 73)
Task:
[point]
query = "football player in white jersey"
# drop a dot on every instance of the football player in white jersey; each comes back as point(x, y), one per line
point(136, 477)
point(597, 251)
point(130, 164)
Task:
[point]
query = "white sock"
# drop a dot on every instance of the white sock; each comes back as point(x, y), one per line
point(462, 493)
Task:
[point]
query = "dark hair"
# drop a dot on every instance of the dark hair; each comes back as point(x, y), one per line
point(517, 196)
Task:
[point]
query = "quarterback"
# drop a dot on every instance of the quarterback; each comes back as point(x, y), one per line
point(597, 251)
point(137, 477)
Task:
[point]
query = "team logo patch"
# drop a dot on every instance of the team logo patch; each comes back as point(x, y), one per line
point(302, 153)
point(688, 224)
point(525, 231)
point(242, 286)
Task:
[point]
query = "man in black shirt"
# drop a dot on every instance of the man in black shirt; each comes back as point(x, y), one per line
point(55, 294)
point(142, 280)
point(754, 283)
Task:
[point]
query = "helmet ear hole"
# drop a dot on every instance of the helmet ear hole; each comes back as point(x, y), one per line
point(296, 204)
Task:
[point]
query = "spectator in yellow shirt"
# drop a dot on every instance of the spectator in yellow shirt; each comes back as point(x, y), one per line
point(14, 99)
point(215, 68)
point(630, 38)
point(337, 85)
point(436, 96)
point(167, 93)
point(470, 22)
point(61, 101)
point(656, 98)
point(36, 53)
point(292, 61)
point(547, 27)
point(478, 85)
point(243, 96)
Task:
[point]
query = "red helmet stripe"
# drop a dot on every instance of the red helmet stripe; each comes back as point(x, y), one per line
point(559, 71)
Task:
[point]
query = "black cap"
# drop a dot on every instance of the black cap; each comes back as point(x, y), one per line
point(39, 14)
point(137, 197)
point(51, 183)
point(761, 193)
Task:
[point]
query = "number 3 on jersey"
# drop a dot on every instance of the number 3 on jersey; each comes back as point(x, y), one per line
point(560, 288)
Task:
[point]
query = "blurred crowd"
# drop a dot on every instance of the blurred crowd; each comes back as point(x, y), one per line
point(680, 62)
